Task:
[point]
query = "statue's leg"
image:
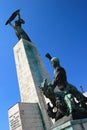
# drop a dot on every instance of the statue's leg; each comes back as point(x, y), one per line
point(68, 100)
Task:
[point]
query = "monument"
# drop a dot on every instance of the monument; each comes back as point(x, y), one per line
point(37, 91)
point(31, 111)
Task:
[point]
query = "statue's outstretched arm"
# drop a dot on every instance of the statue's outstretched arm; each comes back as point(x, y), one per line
point(48, 56)
point(19, 16)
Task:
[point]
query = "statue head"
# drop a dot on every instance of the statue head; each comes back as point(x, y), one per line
point(55, 62)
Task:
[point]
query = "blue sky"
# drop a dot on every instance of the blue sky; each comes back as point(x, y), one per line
point(55, 26)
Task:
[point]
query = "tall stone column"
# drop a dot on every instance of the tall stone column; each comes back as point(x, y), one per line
point(31, 72)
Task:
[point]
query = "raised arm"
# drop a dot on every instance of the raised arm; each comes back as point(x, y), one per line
point(12, 25)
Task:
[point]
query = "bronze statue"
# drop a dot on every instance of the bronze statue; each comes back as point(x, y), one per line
point(17, 25)
point(63, 102)
point(64, 98)
point(60, 81)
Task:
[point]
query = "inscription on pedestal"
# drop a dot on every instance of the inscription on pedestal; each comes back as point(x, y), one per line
point(14, 121)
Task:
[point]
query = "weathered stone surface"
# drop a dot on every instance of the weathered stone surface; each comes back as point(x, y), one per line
point(80, 124)
point(31, 71)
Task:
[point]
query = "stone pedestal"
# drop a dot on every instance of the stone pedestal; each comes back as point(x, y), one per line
point(31, 71)
point(80, 124)
point(25, 116)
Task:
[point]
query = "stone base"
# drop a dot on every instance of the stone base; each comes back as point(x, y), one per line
point(80, 124)
point(73, 116)
point(25, 116)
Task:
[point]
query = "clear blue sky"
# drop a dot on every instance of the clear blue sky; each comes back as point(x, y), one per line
point(55, 26)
